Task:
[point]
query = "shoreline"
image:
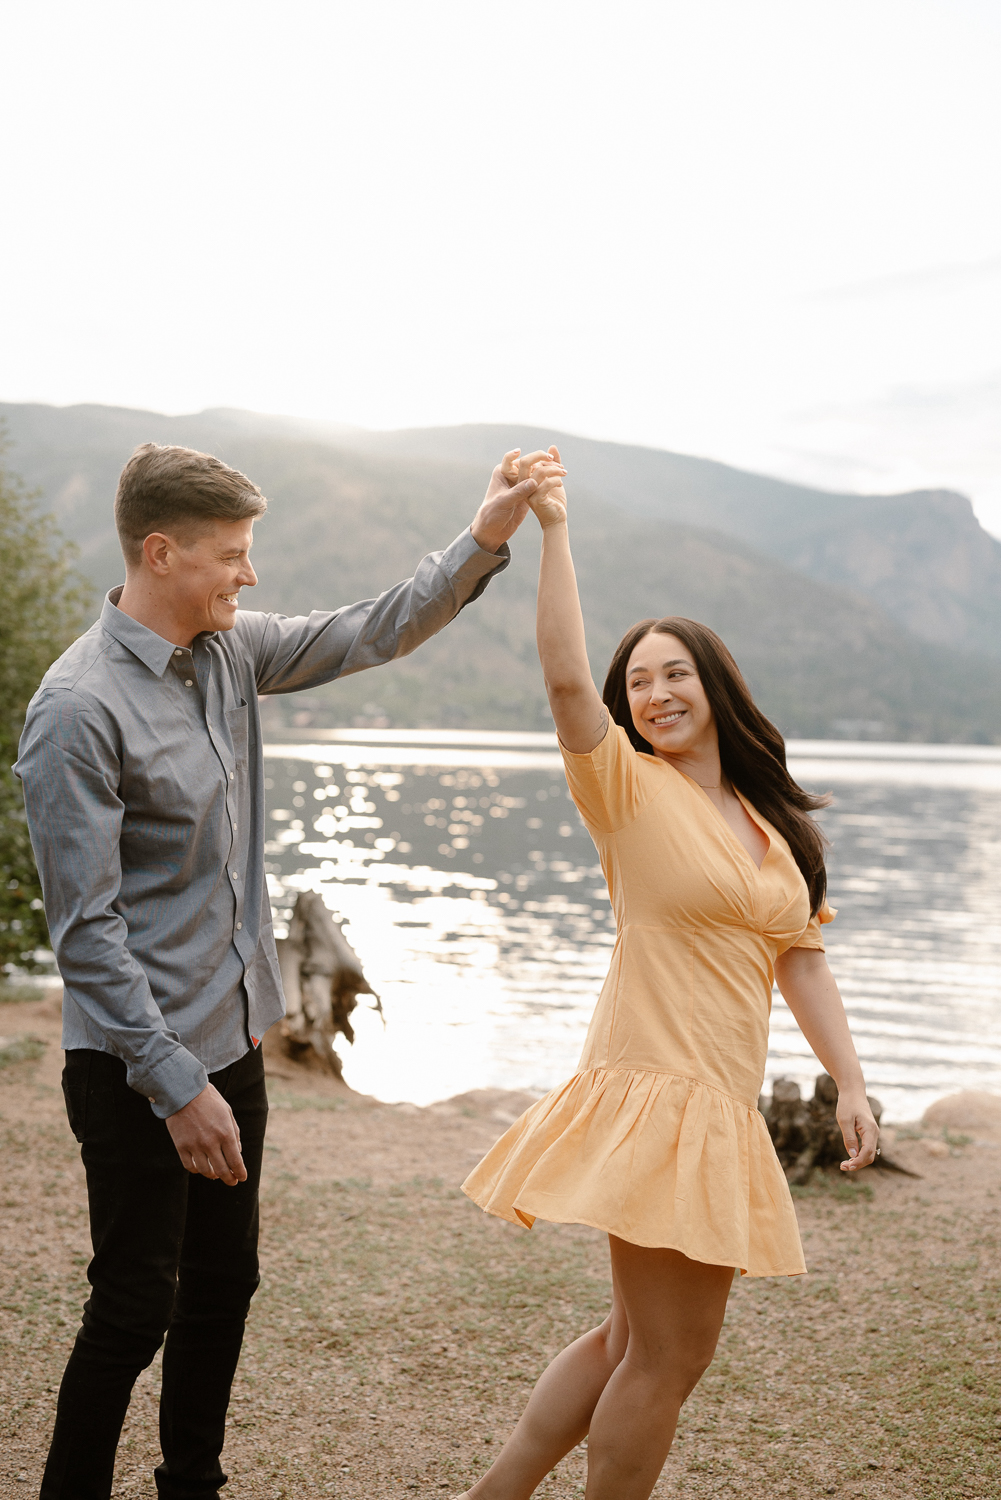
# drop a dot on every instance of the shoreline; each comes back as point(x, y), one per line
point(44, 1006)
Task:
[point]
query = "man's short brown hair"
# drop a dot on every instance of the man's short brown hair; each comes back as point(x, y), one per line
point(179, 490)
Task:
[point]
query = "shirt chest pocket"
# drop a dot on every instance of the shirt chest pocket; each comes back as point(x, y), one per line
point(237, 720)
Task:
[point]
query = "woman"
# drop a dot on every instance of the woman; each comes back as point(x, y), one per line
point(717, 880)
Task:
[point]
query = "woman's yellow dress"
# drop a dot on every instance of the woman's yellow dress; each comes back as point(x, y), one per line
point(657, 1138)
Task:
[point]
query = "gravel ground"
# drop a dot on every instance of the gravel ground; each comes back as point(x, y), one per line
point(398, 1330)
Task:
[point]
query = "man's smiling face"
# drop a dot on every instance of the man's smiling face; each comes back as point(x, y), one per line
point(207, 573)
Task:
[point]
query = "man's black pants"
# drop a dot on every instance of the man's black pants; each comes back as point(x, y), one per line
point(174, 1254)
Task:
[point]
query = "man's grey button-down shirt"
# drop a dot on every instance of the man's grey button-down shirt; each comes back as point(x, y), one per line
point(143, 781)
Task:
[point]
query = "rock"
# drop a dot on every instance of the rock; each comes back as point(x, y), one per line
point(502, 1105)
point(972, 1110)
point(935, 1148)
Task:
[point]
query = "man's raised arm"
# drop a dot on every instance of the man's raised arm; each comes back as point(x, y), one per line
point(303, 652)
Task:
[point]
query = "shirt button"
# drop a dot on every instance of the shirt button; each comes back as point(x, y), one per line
point(151, 1099)
point(235, 827)
point(188, 682)
point(239, 926)
point(178, 652)
point(231, 775)
point(235, 874)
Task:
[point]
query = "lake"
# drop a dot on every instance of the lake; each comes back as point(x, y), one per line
point(473, 896)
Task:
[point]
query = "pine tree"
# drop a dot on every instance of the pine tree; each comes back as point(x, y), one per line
point(43, 606)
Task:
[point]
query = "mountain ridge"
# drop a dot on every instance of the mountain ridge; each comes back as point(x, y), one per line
point(346, 521)
point(921, 555)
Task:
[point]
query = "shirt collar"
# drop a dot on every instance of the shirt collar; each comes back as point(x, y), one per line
point(151, 649)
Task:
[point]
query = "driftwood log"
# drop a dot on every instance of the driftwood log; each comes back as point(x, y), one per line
point(806, 1133)
point(322, 977)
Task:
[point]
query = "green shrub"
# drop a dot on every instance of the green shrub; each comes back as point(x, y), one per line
point(44, 605)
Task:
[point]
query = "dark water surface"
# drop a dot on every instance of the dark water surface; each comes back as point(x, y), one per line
point(474, 898)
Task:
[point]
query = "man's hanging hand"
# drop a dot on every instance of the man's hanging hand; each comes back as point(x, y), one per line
point(207, 1138)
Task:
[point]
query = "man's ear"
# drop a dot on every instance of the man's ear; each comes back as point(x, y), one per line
point(157, 549)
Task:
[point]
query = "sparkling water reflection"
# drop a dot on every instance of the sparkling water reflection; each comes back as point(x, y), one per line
point(474, 898)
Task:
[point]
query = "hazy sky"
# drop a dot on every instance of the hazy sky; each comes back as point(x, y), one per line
point(767, 232)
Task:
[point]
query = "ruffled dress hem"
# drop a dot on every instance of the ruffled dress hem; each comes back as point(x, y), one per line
point(657, 1159)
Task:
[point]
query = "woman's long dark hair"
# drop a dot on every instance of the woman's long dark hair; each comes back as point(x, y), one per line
point(752, 753)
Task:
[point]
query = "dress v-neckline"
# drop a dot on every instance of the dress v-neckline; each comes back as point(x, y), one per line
point(751, 813)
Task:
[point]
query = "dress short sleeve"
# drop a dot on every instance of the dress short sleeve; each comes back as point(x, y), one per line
point(811, 936)
point(607, 784)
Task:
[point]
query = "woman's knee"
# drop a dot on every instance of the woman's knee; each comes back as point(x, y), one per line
point(675, 1368)
point(692, 1365)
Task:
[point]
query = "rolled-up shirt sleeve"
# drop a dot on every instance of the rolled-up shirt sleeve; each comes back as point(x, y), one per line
point(308, 650)
point(69, 767)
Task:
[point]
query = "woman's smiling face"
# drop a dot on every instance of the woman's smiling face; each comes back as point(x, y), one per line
point(666, 697)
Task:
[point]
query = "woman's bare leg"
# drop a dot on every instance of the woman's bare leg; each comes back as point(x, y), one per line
point(558, 1413)
point(623, 1383)
point(675, 1309)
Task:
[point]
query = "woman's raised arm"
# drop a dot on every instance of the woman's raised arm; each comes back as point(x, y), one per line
point(580, 716)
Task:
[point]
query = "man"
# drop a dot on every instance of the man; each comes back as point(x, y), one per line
point(142, 767)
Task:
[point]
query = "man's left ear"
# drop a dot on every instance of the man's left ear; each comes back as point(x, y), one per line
point(156, 551)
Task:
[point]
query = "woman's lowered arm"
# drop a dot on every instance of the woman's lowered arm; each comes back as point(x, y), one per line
point(580, 716)
point(811, 993)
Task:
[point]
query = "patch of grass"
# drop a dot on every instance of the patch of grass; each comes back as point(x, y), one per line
point(403, 1298)
point(425, 1323)
point(398, 1331)
point(833, 1184)
point(280, 1099)
point(952, 1138)
point(12, 993)
point(21, 1049)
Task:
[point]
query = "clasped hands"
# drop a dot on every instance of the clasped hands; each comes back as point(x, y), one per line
point(520, 482)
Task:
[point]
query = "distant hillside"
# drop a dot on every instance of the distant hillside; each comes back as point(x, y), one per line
point(348, 519)
point(923, 557)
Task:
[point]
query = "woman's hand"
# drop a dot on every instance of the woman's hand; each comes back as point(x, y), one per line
point(859, 1129)
point(549, 500)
